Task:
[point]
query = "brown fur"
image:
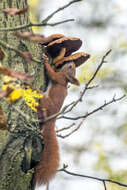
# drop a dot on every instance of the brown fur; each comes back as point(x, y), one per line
point(47, 167)
point(50, 105)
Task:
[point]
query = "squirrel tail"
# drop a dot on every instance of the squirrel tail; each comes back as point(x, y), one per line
point(46, 169)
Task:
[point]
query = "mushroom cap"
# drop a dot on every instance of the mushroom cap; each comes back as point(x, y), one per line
point(78, 58)
point(70, 43)
point(52, 38)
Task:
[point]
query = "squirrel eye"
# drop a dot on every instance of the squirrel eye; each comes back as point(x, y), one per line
point(70, 67)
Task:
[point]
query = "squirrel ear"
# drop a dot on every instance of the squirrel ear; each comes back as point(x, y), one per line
point(72, 80)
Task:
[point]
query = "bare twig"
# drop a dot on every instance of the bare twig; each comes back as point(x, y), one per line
point(57, 23)
point(91, 177)
point(76, 118)
point(58, 113)
point(34, 24)
point(58, 10)
point(104, 185)
point(47, 186)
point(98, 68)
point(89, 82)
point(45, 21)
point(95, 110)
point(91, 87)
point(73, 131)
point(65, 128)
point(86, 115)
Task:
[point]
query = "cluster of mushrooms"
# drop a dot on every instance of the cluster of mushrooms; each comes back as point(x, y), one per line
point(60, 48)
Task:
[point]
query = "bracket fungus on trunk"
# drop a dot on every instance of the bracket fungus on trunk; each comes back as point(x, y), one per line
point(78, 58)
point(52, 38)
point(63, 47)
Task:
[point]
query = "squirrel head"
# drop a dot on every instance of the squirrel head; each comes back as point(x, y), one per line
point(69, 69)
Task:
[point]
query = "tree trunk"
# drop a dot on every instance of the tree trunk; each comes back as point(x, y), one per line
point(21, 148)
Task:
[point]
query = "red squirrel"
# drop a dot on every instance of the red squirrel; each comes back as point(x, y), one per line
point(50, 104)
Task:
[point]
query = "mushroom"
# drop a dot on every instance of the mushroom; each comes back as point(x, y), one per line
point(78, 58)
point(52, 38)
point(63, 47)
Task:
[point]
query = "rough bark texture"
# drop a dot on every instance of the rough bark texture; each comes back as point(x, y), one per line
point(18, 148)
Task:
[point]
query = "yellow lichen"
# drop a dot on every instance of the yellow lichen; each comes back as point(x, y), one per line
point(29, 95)
point(15, 95)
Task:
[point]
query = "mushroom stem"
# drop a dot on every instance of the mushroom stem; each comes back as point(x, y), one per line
point(60, 56)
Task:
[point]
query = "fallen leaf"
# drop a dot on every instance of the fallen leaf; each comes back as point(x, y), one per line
point(38, 38)
point(31, 37)
point(5, 93)
point(3, 125)
point(27, 56)
point(14, 11)
point(15, 74)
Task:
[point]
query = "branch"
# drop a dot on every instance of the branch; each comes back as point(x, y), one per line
point(65, 128)
point(45, 21)
point(58, 10)
point(34, 24)
point(95, 110)
point(84, 116)
point(73, 131)
point(57, 23)
point(91, 177)
point(98, 68)
point(104, 185)
point(58, 113)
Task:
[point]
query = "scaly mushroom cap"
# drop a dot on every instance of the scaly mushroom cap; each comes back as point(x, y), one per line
point(77, 58)
point(70, 43)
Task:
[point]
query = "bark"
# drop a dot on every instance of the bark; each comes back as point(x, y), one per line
point(21, 148)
